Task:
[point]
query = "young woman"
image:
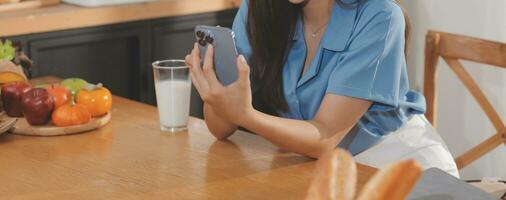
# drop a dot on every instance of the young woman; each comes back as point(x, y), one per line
point(319, 74)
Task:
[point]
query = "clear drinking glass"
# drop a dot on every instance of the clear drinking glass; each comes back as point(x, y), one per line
point(173, 89)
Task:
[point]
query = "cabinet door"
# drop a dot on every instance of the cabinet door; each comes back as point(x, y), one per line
point(112, 57)
point(173, 39)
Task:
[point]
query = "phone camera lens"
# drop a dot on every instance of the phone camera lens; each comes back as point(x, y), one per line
point(200, 34)
point(202, 42)
point(209, 39)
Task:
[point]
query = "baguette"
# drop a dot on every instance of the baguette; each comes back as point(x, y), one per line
point(394, 182)
point(335, 177)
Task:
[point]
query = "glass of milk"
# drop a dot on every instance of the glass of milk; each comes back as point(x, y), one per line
point(173, 89)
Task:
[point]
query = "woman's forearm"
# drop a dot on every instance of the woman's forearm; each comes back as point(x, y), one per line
point(218, 126)
point(335, 117)
point(304, 137)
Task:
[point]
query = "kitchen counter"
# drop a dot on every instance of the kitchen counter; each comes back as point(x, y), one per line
point(65, 16)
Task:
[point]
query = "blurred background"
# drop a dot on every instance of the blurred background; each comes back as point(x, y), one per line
point(461, 122)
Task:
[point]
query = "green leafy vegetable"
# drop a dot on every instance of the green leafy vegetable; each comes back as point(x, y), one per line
point(7, 51)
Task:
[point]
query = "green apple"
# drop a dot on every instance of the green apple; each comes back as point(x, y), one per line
point(41, 85)
point(74, 84)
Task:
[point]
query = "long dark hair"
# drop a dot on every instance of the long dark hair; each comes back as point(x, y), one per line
point(271, 25)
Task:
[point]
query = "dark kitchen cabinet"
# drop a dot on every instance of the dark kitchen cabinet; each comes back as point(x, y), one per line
point(112, 57)
point(119, 55)
point(174, 38)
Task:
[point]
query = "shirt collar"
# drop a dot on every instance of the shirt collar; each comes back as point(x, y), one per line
point(338, 30)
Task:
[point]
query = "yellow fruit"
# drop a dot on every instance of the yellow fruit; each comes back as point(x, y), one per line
point(97, 99)
point(10, 72)
point(7, 77)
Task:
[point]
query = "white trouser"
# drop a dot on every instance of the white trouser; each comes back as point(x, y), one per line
point(416, 139)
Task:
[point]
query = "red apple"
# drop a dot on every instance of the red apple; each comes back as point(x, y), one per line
point(11, 97)
point(37, 105)
point(60, 93)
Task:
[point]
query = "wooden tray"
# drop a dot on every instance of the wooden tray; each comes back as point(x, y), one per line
point(23, 128)
point(6, 123)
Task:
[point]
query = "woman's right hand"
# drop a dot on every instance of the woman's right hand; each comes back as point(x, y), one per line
point(219, 127)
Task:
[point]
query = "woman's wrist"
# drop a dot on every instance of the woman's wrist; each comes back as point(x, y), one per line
point(247, 118)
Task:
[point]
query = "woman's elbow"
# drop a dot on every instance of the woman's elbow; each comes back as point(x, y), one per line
point(221, 134)
point(319, 149)
point(314, 152)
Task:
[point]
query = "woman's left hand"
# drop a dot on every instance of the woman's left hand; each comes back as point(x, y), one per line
point(231, 102)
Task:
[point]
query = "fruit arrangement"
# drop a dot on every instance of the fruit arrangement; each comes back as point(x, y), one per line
point(73, 101)
point(55, 103)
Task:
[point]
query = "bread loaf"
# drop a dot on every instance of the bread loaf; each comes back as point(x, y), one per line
point(335, 177)
point(394, 182)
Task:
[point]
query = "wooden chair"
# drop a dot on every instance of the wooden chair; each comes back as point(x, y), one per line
point(453, 48)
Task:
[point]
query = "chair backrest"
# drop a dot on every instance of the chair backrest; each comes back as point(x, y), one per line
point(453, 48)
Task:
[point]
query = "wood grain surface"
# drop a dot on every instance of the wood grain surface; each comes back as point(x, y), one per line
point(66, 16)
point(9, 1)
point(29, 4)
point(131, 159)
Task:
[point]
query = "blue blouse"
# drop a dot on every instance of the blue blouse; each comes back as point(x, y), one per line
point(361, 55)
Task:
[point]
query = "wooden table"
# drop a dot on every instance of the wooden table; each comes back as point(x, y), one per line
point(131, 159)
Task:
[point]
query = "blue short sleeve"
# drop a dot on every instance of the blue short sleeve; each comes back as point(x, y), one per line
point(372, 66)
point(240, 31)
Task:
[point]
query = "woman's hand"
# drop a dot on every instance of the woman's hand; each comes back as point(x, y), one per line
point(230, 106)
point(231, 102)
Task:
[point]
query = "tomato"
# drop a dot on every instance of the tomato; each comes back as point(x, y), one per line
point(71, 114)
point(60, 93)
point(97, 99)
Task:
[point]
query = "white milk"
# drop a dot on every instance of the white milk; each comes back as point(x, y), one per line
point(173, 99)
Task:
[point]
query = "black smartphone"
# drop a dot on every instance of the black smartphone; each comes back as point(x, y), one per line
point(225, 52)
